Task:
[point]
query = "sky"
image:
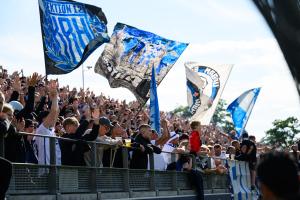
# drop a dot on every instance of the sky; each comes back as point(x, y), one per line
point(218, 32)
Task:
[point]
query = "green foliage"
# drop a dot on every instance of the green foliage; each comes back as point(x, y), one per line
point(283, 133)
point(221, 117)
point(182, 111)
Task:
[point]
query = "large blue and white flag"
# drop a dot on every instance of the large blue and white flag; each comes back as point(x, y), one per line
point(128, 58)
point(71, 31)
point(205, 84)
point(240, 109)
point(240, 180)
point(154, 107)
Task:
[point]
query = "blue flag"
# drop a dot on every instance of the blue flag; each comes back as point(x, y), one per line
point(154, 108)
point(240, 109)
point(129, 56)
point(71, 31)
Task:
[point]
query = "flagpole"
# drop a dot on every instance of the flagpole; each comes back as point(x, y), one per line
point(140, 107)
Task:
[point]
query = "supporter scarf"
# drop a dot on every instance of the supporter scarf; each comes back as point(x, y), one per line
point(71, 31)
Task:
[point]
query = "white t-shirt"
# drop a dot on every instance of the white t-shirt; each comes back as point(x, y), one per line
point(159, 162)
point(43, 146)
point(167, 156)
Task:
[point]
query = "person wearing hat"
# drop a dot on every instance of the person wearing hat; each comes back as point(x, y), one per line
point(170, 146)
point(104, 127)
point(116, 133)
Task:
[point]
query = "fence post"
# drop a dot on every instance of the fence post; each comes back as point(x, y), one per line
point(173, 157)
point(53, 169)
point(193, 161)
point(126, 170)
point(93, 172)
point(152, 172)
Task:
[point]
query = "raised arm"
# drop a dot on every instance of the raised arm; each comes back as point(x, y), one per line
point(54, 111)
point(29, 105)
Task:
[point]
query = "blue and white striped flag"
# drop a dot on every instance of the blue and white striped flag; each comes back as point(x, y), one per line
point(154, 108)
point(240, 109)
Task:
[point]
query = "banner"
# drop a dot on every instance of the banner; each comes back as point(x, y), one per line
point(129, 56)
point(154, 107)
point(205, 85)
point(240, 180)
point(240, 109)
point(71, 31)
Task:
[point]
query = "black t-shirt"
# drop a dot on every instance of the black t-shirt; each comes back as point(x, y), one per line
point(251, 156)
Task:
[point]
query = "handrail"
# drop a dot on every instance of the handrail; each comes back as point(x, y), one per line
point(93, 149)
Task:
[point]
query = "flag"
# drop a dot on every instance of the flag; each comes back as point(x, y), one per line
point(205, 85)
point(154, 108)
point(240, 109)
point(129, 56)
point(71, 31)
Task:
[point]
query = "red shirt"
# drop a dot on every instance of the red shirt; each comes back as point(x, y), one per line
point(195, 141)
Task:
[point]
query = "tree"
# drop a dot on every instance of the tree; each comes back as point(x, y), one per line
point(182, 111)
point(283, 133)
point(221, 117)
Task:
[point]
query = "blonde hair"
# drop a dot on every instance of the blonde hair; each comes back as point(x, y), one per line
point(7, 107)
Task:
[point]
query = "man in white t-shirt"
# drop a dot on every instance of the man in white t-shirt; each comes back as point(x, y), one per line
point(170, 146)
point(47, 122)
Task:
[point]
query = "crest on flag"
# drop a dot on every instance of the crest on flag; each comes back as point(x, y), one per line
point(128, 58)
point(71, 31)
point(204, 87)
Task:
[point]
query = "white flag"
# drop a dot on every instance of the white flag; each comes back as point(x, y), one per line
point(205, 84)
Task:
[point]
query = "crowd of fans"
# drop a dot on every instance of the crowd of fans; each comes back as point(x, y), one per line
point(41, 107)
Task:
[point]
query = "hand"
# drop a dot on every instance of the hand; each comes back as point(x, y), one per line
point(53, 85)
point(164, 123)
point(33, 80)
point(15, 74)
point(16, 85)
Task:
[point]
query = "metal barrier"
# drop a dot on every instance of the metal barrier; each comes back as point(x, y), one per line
point(35, 179)
point(32, 179)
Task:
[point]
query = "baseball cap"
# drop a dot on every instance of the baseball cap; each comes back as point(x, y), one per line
point(105, 121)
point(17, 106)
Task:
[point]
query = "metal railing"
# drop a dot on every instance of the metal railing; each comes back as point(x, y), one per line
point(54, 179)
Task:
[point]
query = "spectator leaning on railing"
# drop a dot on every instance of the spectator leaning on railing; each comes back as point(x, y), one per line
point(140, 155)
